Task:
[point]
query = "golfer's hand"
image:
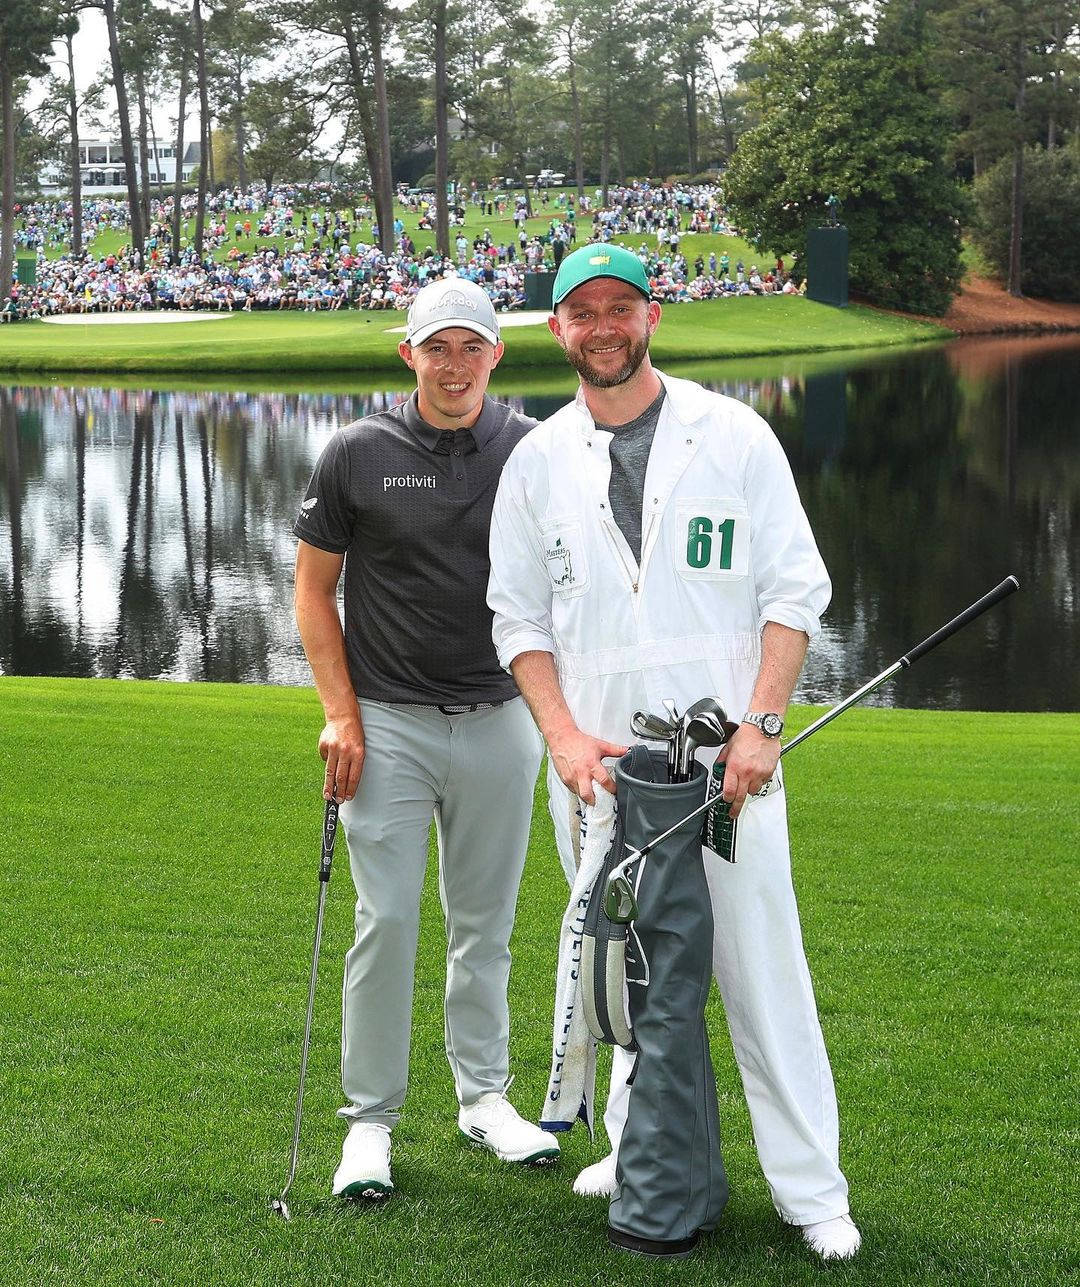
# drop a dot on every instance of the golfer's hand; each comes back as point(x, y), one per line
point(750, 760)
point(578, 760)
point(341, 745)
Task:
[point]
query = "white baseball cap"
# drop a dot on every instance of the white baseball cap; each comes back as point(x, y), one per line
point(453, 301)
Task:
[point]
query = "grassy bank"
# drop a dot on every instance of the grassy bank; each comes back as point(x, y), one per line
point(362, 342)
point(159, 891)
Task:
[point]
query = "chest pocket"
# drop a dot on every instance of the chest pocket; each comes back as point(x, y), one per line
point(711, 539)
point(564, 556)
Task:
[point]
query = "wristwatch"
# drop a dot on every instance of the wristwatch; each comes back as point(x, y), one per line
point(771, 724)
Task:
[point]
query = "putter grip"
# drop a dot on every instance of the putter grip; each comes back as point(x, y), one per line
point(328, 834)
point(999, 592)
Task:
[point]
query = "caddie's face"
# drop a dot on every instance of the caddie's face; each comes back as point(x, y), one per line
point(604, 328)
point(452, 370)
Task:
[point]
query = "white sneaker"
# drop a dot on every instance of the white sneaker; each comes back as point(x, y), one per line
point(494, 1123)
point(598, 1180)
point(365, 1163)
point(837, 1239)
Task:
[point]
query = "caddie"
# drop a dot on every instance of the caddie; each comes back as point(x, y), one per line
point(421, 723)
point(648, 542)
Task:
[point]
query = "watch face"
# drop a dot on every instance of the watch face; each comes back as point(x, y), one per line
point(772, 725)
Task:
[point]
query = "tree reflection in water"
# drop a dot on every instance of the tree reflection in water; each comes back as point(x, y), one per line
point(148, 534)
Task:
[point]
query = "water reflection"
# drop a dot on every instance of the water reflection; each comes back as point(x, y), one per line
point(147, 533)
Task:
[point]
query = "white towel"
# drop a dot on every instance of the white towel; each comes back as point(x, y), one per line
point(571, 1086)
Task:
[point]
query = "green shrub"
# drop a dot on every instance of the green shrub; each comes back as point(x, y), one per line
point(1050, 263)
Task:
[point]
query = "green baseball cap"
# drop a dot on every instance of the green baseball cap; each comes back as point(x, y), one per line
point(599, 260)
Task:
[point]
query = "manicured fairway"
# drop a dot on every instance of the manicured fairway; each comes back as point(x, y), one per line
point(364, 341)
point(158, 887)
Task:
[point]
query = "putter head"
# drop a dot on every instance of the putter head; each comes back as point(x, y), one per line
point(620, 905)
point(280, 1207)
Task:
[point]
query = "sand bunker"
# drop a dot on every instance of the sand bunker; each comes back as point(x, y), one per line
point(131, 319)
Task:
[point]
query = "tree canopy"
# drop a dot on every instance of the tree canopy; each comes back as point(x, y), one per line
point(846, 116)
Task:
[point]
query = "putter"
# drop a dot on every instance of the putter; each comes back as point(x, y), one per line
point(330, 817)
point(620, 903)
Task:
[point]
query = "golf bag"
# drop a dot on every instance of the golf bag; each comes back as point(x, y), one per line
point(670, 1180)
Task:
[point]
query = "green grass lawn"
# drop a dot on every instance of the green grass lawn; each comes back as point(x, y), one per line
point(361, 341)
point(158, 886)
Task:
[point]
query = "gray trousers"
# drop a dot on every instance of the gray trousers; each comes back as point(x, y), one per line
point(474, 774)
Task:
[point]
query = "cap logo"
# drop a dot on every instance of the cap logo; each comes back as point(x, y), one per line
point(453, 301)
point(600, 259)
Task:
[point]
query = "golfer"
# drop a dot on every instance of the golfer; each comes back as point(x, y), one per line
point(421, 723)
point(647, 542)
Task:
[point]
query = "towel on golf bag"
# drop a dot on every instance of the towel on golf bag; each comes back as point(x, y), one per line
point(572, 1084)
point(670, 1180)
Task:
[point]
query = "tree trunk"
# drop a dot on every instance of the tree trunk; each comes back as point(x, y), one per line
point(690, 92)
point(239, 133)
point(363, 108)
point(157, 157)
point(373, 13)
point(575, 103)
point(137, 231)
point(204, 128)
point(144, 148)
point(442, 133)
point(178, 177)
point(725, 124)
point(1016, 235)
point(73, 153)
point(605, 144)
point(7, 178)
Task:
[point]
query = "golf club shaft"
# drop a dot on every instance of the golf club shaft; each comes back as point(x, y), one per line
point(307, 1040)
point(999, 592)
point(326, 859)
point(1009, 586)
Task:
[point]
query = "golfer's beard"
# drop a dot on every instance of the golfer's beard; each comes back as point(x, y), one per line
point(634, 358)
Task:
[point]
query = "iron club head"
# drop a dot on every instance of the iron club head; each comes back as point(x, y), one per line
point(280, 1207)
point(654, 728)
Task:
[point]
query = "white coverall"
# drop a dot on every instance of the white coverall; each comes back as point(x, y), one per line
point(725, 548)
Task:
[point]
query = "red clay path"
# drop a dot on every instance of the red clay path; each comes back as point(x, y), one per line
point(984, 307)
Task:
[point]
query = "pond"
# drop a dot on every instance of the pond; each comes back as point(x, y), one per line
point(146, 533)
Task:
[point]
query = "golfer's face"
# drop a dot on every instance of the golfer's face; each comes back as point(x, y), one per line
point(452, 371)
point(604, 327)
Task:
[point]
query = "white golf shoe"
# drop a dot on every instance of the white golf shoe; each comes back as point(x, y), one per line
point(494, 1123)
point(837, 1239)
point(365, 1163)
point(598, 1180)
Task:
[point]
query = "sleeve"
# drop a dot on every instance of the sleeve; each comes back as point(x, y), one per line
point(791, 582)
point(519, 588)
point(326, 517)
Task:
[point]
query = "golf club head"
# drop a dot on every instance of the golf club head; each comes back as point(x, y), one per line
point(280, 1207)
point(706, 729)
point(704, 704)
point(653, 728)
point(620, 905)
point(668, 704)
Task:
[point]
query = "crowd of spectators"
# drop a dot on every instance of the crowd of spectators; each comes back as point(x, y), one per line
point(312, 252)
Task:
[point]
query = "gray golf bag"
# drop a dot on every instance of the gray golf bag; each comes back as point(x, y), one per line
point(670, 1180)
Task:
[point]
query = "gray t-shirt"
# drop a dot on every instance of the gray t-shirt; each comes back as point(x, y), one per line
point(409, 506)
point(629, 453)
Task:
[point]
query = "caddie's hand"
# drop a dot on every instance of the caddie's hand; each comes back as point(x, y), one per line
point(578, 759)
point(750, 760)
point(341, 745)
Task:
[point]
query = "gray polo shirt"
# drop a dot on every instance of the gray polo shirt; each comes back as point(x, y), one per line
point(409, 506)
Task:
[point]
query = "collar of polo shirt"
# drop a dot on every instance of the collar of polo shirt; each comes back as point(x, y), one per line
point(483, 429)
